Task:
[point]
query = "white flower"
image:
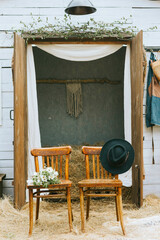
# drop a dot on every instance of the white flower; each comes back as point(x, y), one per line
point(43, 178)
point(52, 177)
point(49, 169)
point(56, 174)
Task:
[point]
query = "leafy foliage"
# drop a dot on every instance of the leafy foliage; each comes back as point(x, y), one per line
point(66, 29)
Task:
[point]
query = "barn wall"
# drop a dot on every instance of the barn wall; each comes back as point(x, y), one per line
point(145, 14)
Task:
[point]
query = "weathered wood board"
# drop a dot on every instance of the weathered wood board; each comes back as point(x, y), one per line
point(20, 121)
point(137, 116)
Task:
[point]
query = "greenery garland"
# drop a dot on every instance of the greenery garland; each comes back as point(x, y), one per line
point(66, 29)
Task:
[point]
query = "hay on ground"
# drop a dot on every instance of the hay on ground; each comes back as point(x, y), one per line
point(143, 223)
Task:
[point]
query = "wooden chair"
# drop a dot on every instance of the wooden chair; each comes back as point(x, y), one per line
point(58, 159)
point(97, 178)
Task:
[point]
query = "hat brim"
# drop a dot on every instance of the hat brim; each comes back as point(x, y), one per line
point(114, 169)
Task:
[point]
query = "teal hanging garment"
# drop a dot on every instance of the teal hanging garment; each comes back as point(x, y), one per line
point(153, 102)
point(153, 97)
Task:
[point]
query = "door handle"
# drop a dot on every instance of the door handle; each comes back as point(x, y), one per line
point(11, 114)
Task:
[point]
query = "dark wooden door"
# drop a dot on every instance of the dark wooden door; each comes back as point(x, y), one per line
point(20, 121)
point(137, 116)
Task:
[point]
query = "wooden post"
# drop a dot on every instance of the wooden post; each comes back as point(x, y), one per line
point(2, 176)
point(20, 121)
point(137, 117)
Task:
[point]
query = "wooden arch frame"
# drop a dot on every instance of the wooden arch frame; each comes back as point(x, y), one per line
point(20, 112)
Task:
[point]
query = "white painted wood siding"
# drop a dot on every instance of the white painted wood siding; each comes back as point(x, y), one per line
point(152, 171)
point(145, 14)
point(6, 129)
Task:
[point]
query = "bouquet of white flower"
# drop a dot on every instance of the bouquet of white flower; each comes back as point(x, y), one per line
point(45, 177)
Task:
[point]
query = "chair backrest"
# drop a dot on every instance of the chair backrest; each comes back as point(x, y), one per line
point(55, 157)
point(94, 168)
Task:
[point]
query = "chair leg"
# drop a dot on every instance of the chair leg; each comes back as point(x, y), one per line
point(30, 211)
point(72, 215)
point(120, 209)
point(82, 208)
point(88, 205)
point(37, 205)
point(116, 202)
point(69, 208)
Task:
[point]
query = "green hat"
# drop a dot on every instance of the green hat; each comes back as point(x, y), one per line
point(117, 156)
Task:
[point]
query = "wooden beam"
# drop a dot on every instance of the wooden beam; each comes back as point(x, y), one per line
point(106, 40)
point(39, 38)
point(74, 42)
point(79, 81)
point(137, 117)
point(20, 121)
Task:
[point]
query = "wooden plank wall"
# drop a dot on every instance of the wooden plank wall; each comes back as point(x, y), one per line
point(144, 13)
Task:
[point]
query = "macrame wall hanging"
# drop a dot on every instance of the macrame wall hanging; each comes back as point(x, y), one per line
point(74, 92)
point(74, 99)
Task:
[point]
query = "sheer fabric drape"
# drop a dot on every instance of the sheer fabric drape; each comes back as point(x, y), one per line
point(74, 52)
point(34, 140)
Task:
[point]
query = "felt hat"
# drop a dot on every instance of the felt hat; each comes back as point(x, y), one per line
point(117, 156)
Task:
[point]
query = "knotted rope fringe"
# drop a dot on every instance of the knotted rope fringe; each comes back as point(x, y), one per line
point(74, 99)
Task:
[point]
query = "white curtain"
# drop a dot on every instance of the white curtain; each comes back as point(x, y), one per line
point(34, 140)
point(84, 52)
point(127, 176)
point(127, 96)
point(80, 52)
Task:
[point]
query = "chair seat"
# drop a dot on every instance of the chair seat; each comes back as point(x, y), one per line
point(100, 183)
point(64, 183)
